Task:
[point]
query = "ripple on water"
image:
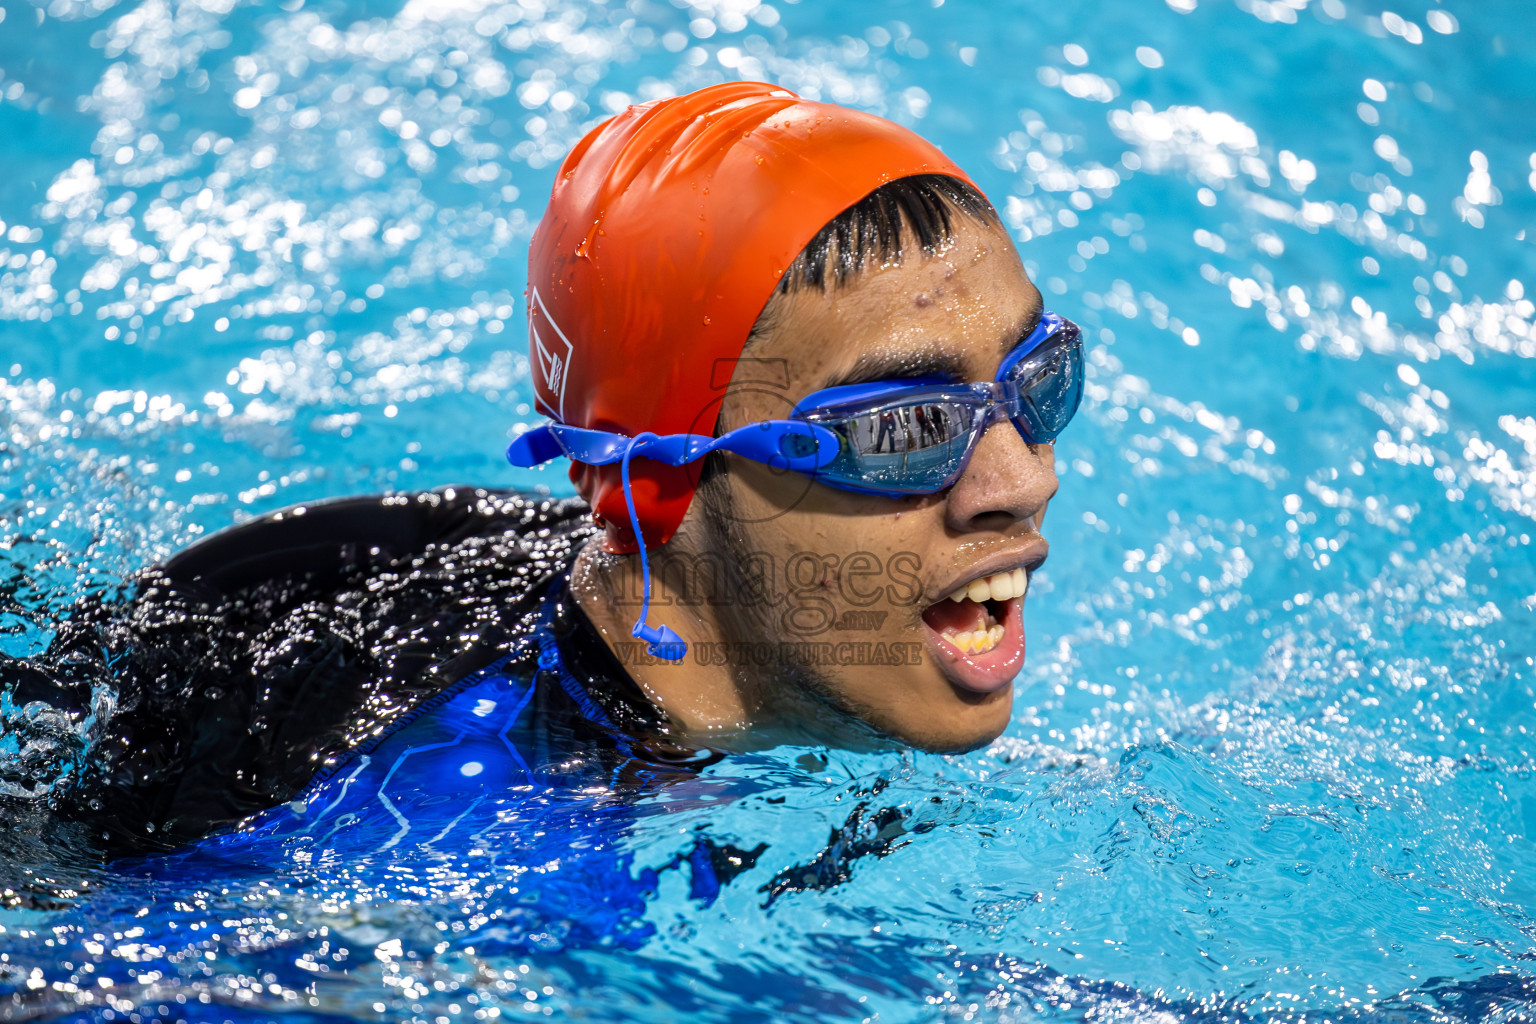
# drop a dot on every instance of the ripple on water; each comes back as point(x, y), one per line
point(1272, 754)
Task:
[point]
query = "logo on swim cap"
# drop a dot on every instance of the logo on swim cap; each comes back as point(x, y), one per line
point(551, 359)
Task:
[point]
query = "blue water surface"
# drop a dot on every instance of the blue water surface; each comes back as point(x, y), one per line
point(1272, 756)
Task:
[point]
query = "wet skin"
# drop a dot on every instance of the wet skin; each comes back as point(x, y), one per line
point(803, 554)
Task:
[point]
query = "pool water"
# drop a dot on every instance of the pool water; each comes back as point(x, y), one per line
point(1272, 754)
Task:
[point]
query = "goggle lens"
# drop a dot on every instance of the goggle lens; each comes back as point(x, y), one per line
point(910, 448)
point(1050, 386)
point(920, 445)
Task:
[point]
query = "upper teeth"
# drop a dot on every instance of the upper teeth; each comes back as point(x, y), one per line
point(1002, 586)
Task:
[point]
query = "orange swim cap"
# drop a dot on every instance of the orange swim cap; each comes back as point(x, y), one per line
point(667, 231)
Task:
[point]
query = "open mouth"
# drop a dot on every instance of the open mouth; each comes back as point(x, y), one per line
point(977, 632)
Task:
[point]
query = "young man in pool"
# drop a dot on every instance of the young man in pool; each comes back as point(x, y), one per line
point(916, 285)
point(809, 394)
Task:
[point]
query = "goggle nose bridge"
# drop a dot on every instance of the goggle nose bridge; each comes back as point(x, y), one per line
point(1004, 401)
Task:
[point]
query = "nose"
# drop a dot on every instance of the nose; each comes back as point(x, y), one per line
point(1007, 480)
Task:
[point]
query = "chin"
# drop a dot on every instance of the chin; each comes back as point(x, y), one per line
point(953, 744)
point(921, 708)
point(959, 737)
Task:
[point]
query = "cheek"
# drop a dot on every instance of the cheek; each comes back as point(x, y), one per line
point(852, 563)
point(789, 509)
point(763, 495)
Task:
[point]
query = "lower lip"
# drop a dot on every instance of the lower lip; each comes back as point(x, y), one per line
point(989, 672)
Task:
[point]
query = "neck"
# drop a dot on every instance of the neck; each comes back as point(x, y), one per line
point(713, 697)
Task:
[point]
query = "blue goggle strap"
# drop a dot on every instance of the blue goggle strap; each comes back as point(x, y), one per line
point(780, 444)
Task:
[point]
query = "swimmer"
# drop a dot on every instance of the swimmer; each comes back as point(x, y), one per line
point(808, 396)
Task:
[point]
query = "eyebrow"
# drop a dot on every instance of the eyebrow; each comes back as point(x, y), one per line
point(929, 363)
point(900, 366)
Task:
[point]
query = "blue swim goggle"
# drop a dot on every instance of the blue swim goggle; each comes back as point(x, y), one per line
point(897, 438)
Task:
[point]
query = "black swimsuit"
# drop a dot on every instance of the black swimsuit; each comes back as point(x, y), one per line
point(256, 663)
